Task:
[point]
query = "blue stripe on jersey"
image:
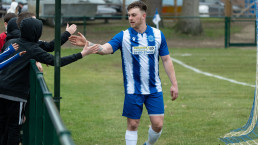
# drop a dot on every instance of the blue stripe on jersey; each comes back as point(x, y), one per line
point(136, 62)
point(124, 73)
point(151, 42)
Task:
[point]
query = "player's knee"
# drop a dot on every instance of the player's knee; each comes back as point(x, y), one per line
point(133, 125)
point(157, 127)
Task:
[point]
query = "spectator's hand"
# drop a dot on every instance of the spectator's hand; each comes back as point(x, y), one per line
point(15, 46)
point(38, 64)
point(71, 29)
point(174, 92)
point(21, 53)
point(89, 49)
point(78, 40)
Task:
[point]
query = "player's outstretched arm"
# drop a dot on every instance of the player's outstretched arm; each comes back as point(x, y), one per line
point(105, 49)
point(80, 40)
point(169, 68)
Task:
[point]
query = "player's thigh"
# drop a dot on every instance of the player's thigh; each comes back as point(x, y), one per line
point(154, 104)
point(133, 106)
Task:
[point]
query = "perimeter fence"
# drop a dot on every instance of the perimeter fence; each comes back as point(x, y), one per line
point(217, 31)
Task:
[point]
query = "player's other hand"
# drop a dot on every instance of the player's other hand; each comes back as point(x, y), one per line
point(78, 40)
point(174, 92)
point(15, 46)
point(71, 29)
point(89, 49)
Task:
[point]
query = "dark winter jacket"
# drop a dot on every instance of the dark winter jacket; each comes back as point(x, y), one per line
point(14, 79)
point(49, 46)
point(12, 30)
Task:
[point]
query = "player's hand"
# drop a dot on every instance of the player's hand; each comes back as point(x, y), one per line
point(38, 64)
point(21, 53)
point(174, 92)
point(89, 49)
point(15, 46)
point(78, 40)
point(71, 29)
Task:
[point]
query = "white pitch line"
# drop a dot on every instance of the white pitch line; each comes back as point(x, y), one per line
point(209, 74)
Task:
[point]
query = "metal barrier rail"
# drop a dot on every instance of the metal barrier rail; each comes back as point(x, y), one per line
point(228, 21)
point(43, 124)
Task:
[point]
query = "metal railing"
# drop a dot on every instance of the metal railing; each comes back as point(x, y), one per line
point(228, 26)
point(43, 124)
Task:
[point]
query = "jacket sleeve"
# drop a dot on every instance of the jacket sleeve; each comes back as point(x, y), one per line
point(50, 46)
point(46, 58)
point(6, 53)
point(8, 61)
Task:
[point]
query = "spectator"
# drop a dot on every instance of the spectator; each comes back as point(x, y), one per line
point(3, 35)
point(22, 7)
point(14, 80)
point(13, 8)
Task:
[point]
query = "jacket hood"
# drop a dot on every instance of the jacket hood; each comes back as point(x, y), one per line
point(12, 30)
point(31, 29)
point(13, 7)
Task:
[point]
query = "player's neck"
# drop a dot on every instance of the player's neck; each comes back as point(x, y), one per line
point(141, 29)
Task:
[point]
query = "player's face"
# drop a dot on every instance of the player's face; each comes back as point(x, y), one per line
point(136, 17)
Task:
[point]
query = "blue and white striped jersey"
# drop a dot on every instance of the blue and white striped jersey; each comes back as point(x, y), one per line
point(140, 59)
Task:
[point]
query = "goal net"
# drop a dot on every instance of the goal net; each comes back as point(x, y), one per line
point(248, 134)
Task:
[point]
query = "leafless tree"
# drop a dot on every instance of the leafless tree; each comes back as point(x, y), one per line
point(190, 22)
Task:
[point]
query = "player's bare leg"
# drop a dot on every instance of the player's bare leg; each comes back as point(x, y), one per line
point(131, 132)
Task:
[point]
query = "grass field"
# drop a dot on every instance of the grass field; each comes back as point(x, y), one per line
point(207, 108)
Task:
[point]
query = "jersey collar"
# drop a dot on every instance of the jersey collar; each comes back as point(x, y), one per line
point(148, 29)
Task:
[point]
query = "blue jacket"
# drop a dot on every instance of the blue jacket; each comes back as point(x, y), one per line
point(5, 54)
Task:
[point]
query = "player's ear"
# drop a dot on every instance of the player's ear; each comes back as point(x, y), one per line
point(144, 15)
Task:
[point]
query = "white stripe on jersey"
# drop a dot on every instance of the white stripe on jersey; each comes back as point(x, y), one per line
point(157, 35)
point(144, 63)
point(128, 60)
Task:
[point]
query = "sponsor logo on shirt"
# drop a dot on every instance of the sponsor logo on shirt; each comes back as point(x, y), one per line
point(143, 50)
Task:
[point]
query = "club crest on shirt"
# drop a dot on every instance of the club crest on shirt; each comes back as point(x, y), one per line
point(151, 38)
point(133, 38)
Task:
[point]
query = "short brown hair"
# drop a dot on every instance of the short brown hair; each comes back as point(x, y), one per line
point(138, 4)
point(9, 16)
point(24, 15)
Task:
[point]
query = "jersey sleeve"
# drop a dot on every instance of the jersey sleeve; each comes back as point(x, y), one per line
point(163, 46)
point(116, 41)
